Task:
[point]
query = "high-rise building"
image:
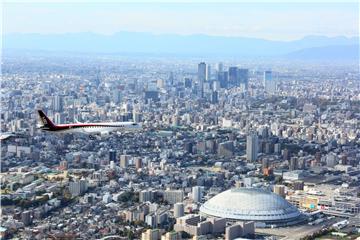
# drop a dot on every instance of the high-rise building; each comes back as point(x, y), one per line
point(252, 147)
point(58, 103)
point(146, 196)
point(214, 97)
point(151, 220)
point(173, 196)
point(124, 161)
point(243, 75)
point(188, 82)
point(269, 82)
point(223, 79)
point(138, 162)
point(233, 76)
point(112, 155)
point(202, 72)
point(226, 149)
point(178, 210)
point(201, 78)
point(208, 73)
point(293, 164)
point(78, 188)
point(196, 193)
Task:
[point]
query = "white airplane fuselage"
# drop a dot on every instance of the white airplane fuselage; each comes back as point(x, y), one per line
point(88, 128)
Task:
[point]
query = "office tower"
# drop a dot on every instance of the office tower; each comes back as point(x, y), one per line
point(202, 72)
point(243, 75)
point(171, 79)
point(196, 193)
point(97, 78)
point(233, 76)
point(178, 210)
point(201, 78)
point(208, 73)
point(252, 147)
point(78, 188)
point(112, 155)
point(223, 79)
point(269, 83)
point(58, 103)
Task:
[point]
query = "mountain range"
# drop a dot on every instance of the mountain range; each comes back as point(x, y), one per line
point(309, 47)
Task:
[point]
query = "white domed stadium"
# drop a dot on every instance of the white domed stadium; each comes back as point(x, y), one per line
point(252, 204)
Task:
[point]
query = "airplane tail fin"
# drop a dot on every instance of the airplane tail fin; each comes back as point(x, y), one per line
point(45, 120)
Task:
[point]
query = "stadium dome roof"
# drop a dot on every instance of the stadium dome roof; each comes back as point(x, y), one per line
point(251, 204)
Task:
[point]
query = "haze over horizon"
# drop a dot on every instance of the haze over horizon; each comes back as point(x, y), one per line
point(276, 21)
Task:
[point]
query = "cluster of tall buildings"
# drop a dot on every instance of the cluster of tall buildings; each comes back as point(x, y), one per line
point(207, 131)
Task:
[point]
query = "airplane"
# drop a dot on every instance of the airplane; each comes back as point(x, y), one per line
point(9, 135)
point(87, 128)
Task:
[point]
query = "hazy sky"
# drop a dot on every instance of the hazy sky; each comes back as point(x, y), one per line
point(278, 21)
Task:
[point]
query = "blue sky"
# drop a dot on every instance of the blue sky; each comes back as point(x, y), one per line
point(276, 21)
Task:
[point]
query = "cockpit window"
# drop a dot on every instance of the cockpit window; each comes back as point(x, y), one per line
point(134, 124)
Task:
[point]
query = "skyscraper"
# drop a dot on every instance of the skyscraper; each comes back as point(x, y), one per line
point(252, 143)
point(201, 77)
point(208, 73)
point(269, 83)
point(233, 76)
point(58, 103)
point(202, 72)
point(223, 79)
point(243, 75)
